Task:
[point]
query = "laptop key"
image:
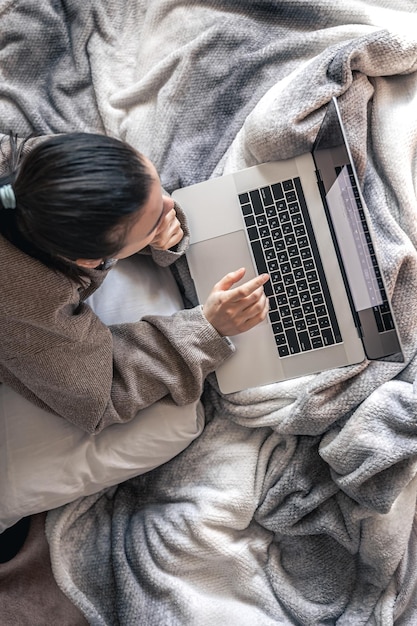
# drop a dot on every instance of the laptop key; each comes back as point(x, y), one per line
point(311, 276)
point(316, 342)
point(275, 277)
point(277, 191)
point(290, 239)
point(259, 257)
point(266, 196)
point(268, 289)
point(304, 340)
point(302, 241)
point(255, 197)
point(309, 265)
point(287, 185)
point(328, 338)
point(288, 323)
point(249, 220)
point(283, 350)
point(288, 279)
point(305, 253)
point(291, 196)
point(298, 273)
point(315, 288)
point(294, 209)
point(299, 326)
point(253, 233)
point(280, 339)
point(292, 341)
point(279, 245)
point(321, 310)
point(278, 329)
point(302, 285)
point(299, 230)
point(317, 299)
point(324, 322)
point(273, 309)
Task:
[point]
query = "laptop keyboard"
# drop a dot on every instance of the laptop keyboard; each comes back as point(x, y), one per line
point(281, 236)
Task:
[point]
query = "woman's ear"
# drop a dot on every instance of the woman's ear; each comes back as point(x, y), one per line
point(88, 263)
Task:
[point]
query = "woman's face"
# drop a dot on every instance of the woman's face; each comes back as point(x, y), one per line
point(144, 229)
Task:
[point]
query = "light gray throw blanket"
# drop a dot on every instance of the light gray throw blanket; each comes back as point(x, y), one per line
point(297, 503)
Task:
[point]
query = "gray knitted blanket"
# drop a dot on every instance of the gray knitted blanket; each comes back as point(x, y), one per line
point(297, 503)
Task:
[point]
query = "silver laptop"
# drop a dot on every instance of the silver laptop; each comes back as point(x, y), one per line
point(304, 222)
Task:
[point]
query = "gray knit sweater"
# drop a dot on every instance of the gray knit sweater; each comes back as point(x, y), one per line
point(57, 353)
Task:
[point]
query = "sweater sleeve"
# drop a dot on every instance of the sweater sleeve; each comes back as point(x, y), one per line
point(94, 375)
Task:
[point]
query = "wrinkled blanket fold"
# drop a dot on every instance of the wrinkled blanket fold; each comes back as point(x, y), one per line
point(297, 503)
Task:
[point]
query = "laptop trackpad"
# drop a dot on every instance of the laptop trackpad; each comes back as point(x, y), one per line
point(212, 259)
point(209, 261)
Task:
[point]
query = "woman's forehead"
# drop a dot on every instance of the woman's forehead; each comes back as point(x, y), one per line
point(151, 167)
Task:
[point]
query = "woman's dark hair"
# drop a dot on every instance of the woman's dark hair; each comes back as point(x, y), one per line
point(76, 196)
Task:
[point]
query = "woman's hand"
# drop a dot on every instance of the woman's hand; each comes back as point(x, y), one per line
point(234, 310)
point(169, 231)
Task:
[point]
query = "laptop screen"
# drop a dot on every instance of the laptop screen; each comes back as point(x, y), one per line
point(346, 215)
point(344, 202)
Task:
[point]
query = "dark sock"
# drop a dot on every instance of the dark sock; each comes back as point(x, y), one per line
point(13, 538)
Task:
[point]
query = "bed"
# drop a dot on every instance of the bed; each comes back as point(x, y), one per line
point(296, 503)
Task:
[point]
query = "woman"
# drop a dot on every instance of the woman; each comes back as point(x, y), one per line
point(69, 209)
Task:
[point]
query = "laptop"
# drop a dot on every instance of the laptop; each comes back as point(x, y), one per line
point(304, 222)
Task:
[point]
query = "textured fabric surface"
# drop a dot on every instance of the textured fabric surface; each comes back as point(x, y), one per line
point(297, 503)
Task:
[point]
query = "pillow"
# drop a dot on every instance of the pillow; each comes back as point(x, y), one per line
point(45, 461)
point(135, 287)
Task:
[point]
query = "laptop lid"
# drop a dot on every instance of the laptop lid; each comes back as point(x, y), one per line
point(347, 216)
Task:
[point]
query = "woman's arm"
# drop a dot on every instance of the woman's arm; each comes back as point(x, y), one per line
point(94, 375)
